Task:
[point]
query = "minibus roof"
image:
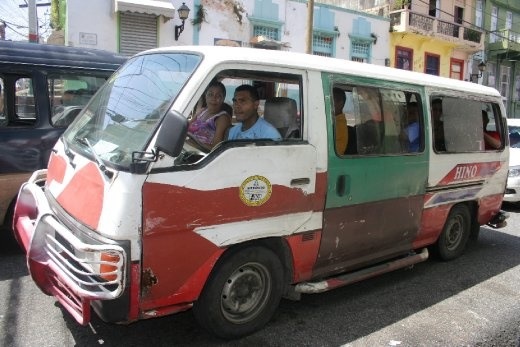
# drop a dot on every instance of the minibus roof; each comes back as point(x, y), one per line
point(220, 54)
point(58, 56)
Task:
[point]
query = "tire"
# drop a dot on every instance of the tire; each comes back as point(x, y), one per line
point(454, 236)
point(241, 294)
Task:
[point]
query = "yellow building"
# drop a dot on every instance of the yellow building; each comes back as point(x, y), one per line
point(435, 40)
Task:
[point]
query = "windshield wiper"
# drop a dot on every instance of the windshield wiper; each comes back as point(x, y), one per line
point(85, 141)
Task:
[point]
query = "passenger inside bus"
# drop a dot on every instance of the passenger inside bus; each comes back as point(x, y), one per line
point(340, 121)
point(411, 134)
point(282, 113)
point(438, 125)
point(209, 125)
point(371, 129)
point(251, 126)
point(491, 138)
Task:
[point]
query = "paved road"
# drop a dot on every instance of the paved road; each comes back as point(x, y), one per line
point(472, 301)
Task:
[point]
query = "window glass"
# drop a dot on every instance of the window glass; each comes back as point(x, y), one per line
point(276, 99)
point(323, 45)
point(25, 108)
point(432, 64)
point(379, 121)
point(404, 58)
point(269, 32)
point(462, 125)
point(514, 136)
point(69, 94)
point(3, 112)
point(122, 116)
point(360, 50)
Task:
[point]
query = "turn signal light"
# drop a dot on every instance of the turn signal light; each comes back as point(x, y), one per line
point(108, 271)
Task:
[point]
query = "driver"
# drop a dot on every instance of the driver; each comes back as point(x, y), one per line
point(251, 126)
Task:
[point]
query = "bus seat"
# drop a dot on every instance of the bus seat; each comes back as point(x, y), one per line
point(281, 112)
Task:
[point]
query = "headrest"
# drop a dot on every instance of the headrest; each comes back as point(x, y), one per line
point(281, 112)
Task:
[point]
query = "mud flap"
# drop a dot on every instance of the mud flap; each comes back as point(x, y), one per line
point(499, 220)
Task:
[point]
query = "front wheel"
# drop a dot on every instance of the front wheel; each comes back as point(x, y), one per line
point(242, 293)
point(455, 234)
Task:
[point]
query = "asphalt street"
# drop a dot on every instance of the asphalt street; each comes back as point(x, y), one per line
point(471, 301)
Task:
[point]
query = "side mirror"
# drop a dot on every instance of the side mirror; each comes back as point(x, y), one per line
point(172, 134)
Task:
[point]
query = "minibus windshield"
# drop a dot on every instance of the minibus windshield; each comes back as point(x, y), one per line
point(121, 118)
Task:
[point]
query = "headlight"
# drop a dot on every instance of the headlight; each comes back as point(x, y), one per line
point(514, 171)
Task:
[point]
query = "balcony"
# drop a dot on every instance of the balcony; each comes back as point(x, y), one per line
point(504, 41)
point(464, 38)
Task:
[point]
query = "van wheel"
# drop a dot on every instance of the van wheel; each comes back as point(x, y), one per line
point(455, 234)
point(242, 293)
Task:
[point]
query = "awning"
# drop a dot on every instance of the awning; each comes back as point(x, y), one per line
point(155, 7)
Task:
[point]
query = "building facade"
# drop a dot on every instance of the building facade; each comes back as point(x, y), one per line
point(436, 37)
point(501, 21)
point(131, 26)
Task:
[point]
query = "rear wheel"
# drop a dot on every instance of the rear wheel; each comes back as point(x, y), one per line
point(242, 293)
point(454, 236)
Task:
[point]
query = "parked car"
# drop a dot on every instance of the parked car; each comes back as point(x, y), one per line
point(42, 90)
point(512, 193)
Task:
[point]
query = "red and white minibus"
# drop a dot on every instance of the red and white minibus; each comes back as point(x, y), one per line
point(135, 221)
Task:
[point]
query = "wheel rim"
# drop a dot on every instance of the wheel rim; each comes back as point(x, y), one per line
point(455, 232)
point(245, 293)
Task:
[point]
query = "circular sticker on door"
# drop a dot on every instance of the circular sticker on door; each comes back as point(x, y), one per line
point(255, 190)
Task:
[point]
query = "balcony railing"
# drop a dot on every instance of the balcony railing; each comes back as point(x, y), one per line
point(467, 38)
point(505, 40)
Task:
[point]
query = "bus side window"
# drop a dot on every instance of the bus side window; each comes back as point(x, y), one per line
point(468, 125)
point(383, 121)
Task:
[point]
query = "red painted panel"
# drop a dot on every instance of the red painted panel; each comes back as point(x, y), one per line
point(433, 220)
point(83, 196)
point(191, 208)
point(56, 168)
point(489, 207)
point(174, 254)
point(304, 254)
point(135, 282)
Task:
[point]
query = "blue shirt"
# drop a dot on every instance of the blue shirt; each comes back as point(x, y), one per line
point(260, 130)
point(412, 131)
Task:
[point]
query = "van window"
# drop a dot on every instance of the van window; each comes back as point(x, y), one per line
point(3, 113)
point(275, 93)
point(25, 108)
point(379, 121)
point(465, 125)
point(280, 104)
point(69, 94)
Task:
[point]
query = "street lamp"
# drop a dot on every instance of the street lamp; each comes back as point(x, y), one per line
point(184, 11)
point(481, 69)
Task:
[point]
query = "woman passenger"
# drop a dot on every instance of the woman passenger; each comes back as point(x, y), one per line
point(208, 127)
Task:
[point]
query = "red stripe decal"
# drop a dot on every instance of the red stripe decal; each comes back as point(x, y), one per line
point(470, 172)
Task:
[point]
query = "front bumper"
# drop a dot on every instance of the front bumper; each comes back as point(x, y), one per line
point(512, 193)
point(62, 263)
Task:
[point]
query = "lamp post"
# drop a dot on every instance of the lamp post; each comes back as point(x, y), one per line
point(184, 11)
point(481, 69)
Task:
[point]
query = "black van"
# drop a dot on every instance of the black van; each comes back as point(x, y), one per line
point(43, 88)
